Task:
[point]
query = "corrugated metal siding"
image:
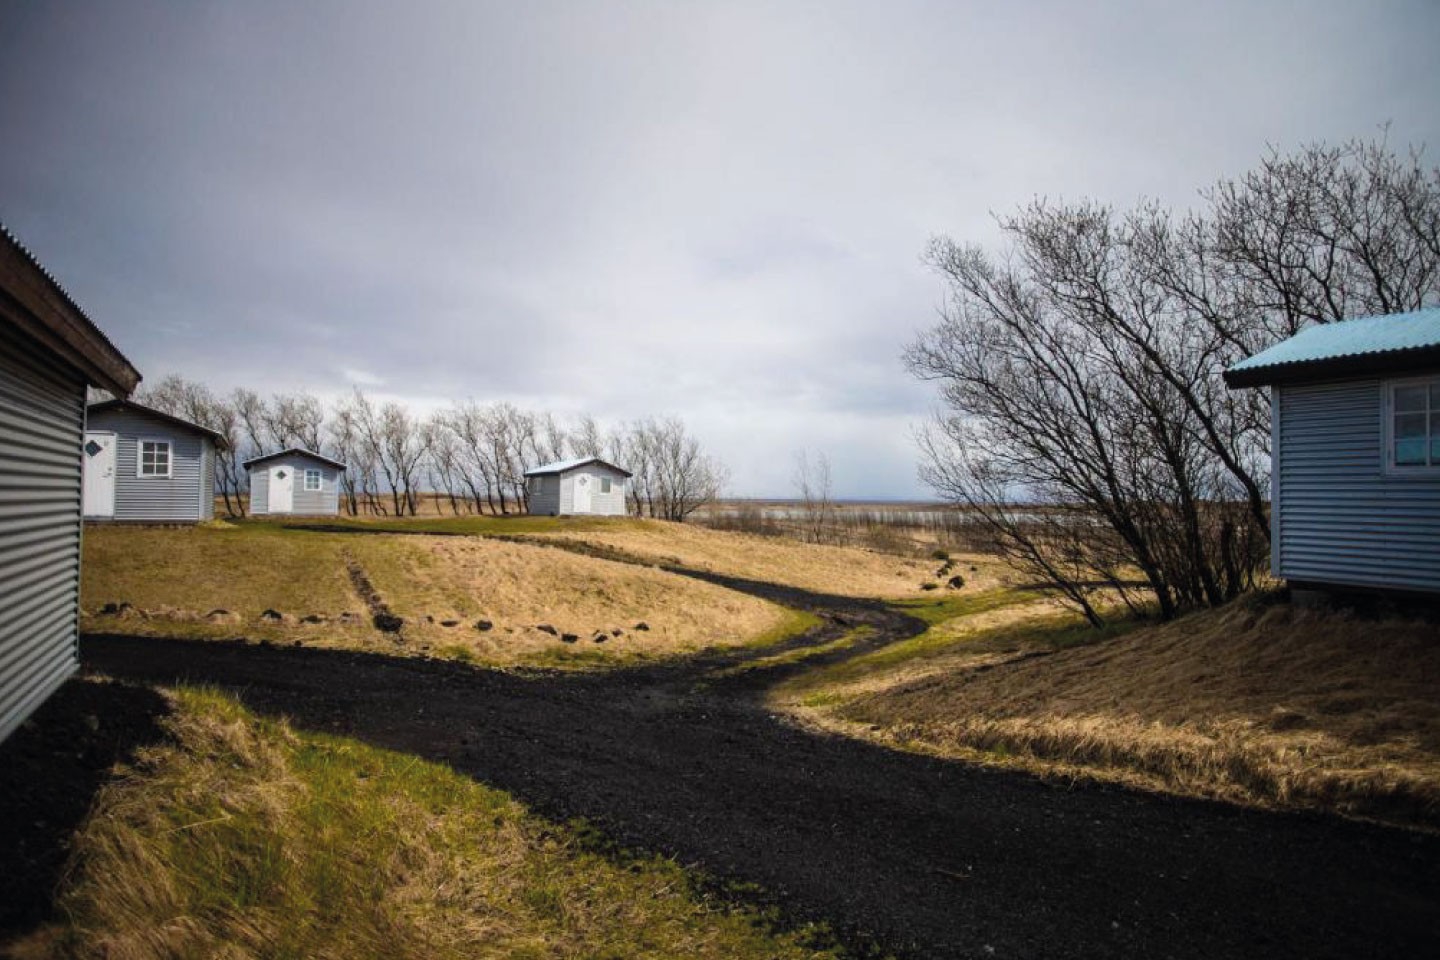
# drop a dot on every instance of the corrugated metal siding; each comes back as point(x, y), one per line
point(161, 499)
point(259, 492)
point(207, 482)
point(1342, 519)
point(42, 423)
point(546, 501)
point(322, 502)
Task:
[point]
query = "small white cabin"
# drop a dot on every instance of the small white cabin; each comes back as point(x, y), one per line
point(294, 482)
point(147, 466)
point(585, 487)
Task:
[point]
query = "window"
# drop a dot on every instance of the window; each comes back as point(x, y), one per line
point(312, 479)
point(1413, 425)
point(604, 484)
point(154, 458)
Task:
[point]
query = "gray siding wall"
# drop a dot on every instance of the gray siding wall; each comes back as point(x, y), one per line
point(546, 501)
point(42, 423)
point(207, 482)
point(173, 498)
point(1340, 518)
point(322, 502)
point(610, 504)
point(259, 491)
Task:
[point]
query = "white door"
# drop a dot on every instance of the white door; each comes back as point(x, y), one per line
point(282, 489)
point(98, 475)
point(582, 494)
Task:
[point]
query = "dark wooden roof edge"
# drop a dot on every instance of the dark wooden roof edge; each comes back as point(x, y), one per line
point(34, 301)
point(159, 415)
point(293, 450)
point(1380, 363)
point(575, 465)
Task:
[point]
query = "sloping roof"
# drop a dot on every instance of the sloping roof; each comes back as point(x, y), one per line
point(298, 451)
point(1386, 344)
point(158, 415)
point(565, 466)
point(35, 302)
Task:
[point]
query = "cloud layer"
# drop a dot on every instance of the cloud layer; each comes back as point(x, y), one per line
point(709, 210)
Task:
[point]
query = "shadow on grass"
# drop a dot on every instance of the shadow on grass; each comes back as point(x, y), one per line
point(50, 771)
point(927, 857)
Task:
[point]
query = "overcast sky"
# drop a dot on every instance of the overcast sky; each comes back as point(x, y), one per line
point(712, 210)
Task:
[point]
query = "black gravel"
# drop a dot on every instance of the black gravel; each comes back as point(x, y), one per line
point(925, 857)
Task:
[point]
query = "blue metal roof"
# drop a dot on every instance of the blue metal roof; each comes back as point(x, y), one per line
point(1351, 338)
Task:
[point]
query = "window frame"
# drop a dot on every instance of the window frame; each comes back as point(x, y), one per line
point(1432, 425)
point(169, 446)
point(319, 480)
point(606, 485)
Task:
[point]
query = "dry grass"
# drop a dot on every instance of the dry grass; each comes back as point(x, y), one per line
point(443, 587)
point(174, 577)
point(846, 571)
point(518, 587)
point(245, 839)
point(1257, 703)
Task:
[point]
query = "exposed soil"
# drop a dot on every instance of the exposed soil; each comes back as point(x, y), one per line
point(50, 770)
point(926, 857)
point(381, 615)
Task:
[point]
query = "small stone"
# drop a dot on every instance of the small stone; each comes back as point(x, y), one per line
point(221, 615)
point(642, 625)
point(616, 632)
point(449, 623)
point(484, 625)
point(569, 637)
point(274, 616)
point(313, 618)
point(929, 586)
point(955, 582)
point(600, 636)
point(546, 628)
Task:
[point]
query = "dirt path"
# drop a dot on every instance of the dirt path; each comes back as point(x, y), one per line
point(923, 856)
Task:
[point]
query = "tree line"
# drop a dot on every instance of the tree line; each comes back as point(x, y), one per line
point(1083, 414)
point(472, 456)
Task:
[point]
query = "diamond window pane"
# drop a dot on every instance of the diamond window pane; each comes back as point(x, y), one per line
point(93, 448)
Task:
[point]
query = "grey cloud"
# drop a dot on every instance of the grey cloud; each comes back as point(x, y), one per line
point(710, 210)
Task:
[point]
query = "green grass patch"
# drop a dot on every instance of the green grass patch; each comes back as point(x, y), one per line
point(245, 837)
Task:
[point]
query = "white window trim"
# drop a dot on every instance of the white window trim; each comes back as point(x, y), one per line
point(319, 480)
point(140, 458)
point(1387, 431)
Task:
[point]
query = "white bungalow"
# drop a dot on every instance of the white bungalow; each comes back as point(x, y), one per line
point(49, 353)
point(588, 486)
point(1355, 452)
point(295, 482)
point(147, 466)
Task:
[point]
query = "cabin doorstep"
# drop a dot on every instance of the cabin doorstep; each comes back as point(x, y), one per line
point(50, 354)
point(146, 466)
point(588, 487)
point(1355, 453)
point(294, 482)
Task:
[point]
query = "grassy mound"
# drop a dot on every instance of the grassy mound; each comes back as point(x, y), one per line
point(1258, 702)
point(245, 838)
point(846, 571)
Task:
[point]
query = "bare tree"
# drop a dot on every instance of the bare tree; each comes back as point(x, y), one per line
point(817, 506)
point(1080, 371)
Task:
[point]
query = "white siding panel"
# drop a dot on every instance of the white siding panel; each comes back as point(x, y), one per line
point(1342, 519)
point(42, 422)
